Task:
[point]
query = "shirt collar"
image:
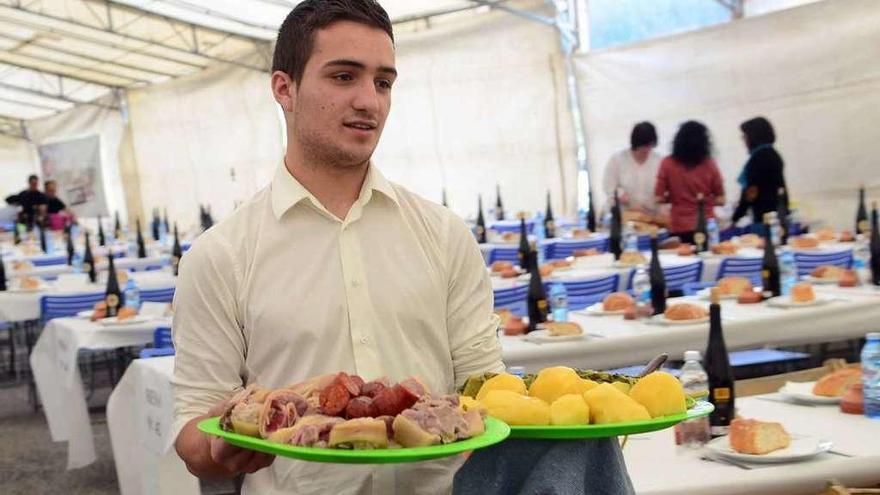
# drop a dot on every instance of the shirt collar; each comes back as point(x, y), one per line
point(287, 191)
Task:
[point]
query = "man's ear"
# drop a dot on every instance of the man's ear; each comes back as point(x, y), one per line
point(283, 90)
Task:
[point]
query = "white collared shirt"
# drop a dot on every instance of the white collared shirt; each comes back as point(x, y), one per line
point(283, 290)
point(637, 179)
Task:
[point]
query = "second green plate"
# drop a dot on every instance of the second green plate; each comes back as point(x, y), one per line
point(609, 430)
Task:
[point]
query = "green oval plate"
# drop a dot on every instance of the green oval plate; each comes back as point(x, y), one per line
point(609, 430)
point(496, 431)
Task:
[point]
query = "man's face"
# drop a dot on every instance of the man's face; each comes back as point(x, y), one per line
point(340, 106)
point(51, 188)
point(33, 184)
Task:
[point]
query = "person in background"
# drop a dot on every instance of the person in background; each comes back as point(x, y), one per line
point(687, 172)
point(30, 200)
point(633, 171)
point(54, 205)
point(762, 175)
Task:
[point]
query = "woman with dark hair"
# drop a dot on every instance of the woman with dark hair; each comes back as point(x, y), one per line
point(762, 177)
point(632, 171)
point(688, 172)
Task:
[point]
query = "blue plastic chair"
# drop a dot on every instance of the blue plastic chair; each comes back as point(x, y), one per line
point(561, 249)
point(151, 352)
point(65, 306)
point(513, 299)
point(510, 254)
point(511, 226)
point(165, 295)
point(583, 293)
point(740, 267)
point(49, 260)
point(806, 262)
point(645, 240)
point(677, 276)
point(693, 288)
point(162, 344)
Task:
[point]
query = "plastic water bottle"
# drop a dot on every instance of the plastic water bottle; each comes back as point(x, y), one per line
point(871, 375)
point(559, 302)
point(788, 275)
point(132, 294)
point(538, 229)
point(630, 238)
point(606, 220)
point(861, 253)
point(516, 371)
point(642, 285)
point(693, 433)
point(77, 262)
point(713, 232)
point(775, 232)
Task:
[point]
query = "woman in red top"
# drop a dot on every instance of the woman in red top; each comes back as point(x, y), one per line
point(687, 172)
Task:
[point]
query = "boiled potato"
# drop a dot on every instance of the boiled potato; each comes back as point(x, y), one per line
point(581, 386)
point(503, 381)
point(466, 403)
point(552, 383)
point(516, 409)
point(660, 393)
point(609, 405)
point(570, 409)
point(623, 387)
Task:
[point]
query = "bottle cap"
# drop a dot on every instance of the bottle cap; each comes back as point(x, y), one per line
point(692, 355)
point(516, 371)
point(873, 336)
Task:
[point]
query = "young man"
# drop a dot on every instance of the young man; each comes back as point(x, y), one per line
point(31, 200)
point(633, 171)
point(330, 268)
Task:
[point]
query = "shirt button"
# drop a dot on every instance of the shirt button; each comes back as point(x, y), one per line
point(355, 283)
point(364, 340)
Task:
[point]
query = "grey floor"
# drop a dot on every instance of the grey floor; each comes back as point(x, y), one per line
point(31, 464)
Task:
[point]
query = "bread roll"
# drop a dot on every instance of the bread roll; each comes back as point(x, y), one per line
point(500, 266)
point(685, 311)
point(617, 301)
point(546, 270)
point(802, 292)
point(749, 436)
point(725, 247)
point(749, 297)
point(835, 384)
point(515, 326)
point(563, 328)
point(827, 272)
point(685, 250)
point(585, 252)
point(849, 278)
point(846, 236)
point(510, 237)
point(632, 258)
point(826, 234)
point(804, 243)
point(734, 286)
point(751, 240)
point(126, 313)
point(560, 263)
point(580, 233)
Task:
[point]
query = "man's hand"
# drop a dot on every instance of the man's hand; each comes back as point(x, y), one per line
point(212, 457)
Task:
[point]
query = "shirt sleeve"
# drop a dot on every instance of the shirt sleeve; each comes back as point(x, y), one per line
point(209, 343)
point(470, 321)
point(611, 179)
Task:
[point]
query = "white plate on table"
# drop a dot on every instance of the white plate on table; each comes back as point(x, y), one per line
point(17, 289)
point(619, 264)
point(113, 322)
point(707, 294)
point(85, 314)
point(662, 320)
point(801, 448)
point(786, 302)
point(543, 337)
point(821, 281)
point(803, 392)
point(598, 309)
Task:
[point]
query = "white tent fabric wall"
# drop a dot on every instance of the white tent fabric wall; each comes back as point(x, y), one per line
point(87, 120)
point(481, 100)
point(189, 134)
point(814, 71)
point(18, 159)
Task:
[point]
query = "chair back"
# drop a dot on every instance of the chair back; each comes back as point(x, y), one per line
point(583, 293)
point(677, 276)
point(807, 262)
point(561, 249)
point(151, 352)
point(513, 299)
point(61, 306)
point(510, 254)
point(162, 337)
point(740, 267)
point(164, 295)
point(49, 260)
point(645, 240)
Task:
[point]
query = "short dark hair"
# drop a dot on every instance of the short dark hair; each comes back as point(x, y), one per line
point(643, 134)
point(691, 144)
point(758, 131)
point(296, 37)
point(33, 177)
point(50, 181)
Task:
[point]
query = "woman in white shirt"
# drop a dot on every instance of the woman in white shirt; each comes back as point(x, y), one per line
point(633, 171)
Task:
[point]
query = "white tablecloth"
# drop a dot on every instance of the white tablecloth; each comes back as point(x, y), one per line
point(59, 384)
point(658, 467)
point(613, 342)
point(24, 306)
point(119, 263)
point(139, 416)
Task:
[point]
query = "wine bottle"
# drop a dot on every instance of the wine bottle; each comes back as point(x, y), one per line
point(176, 252)
point(717, 365)
point(615, 234)
point(861, 213)
point(875, 246)
point(114, 297)
point(165, 224)
point(656, 276)
point(700, 232)
point(443, 198)
point(537, 296)
point(782, 215)
point(102, 240)
point(16, 231)
point(499, 207)
point(117, 227)
point(156, 224)
point(208, 217)
point(770, 264)
point(68, 234)
point(2, 273)
point(43, 245)
point(549, 224)
point(141, 249)
point(89, 260)
point(524, 251)
point(481, 222)
point(591, 213)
